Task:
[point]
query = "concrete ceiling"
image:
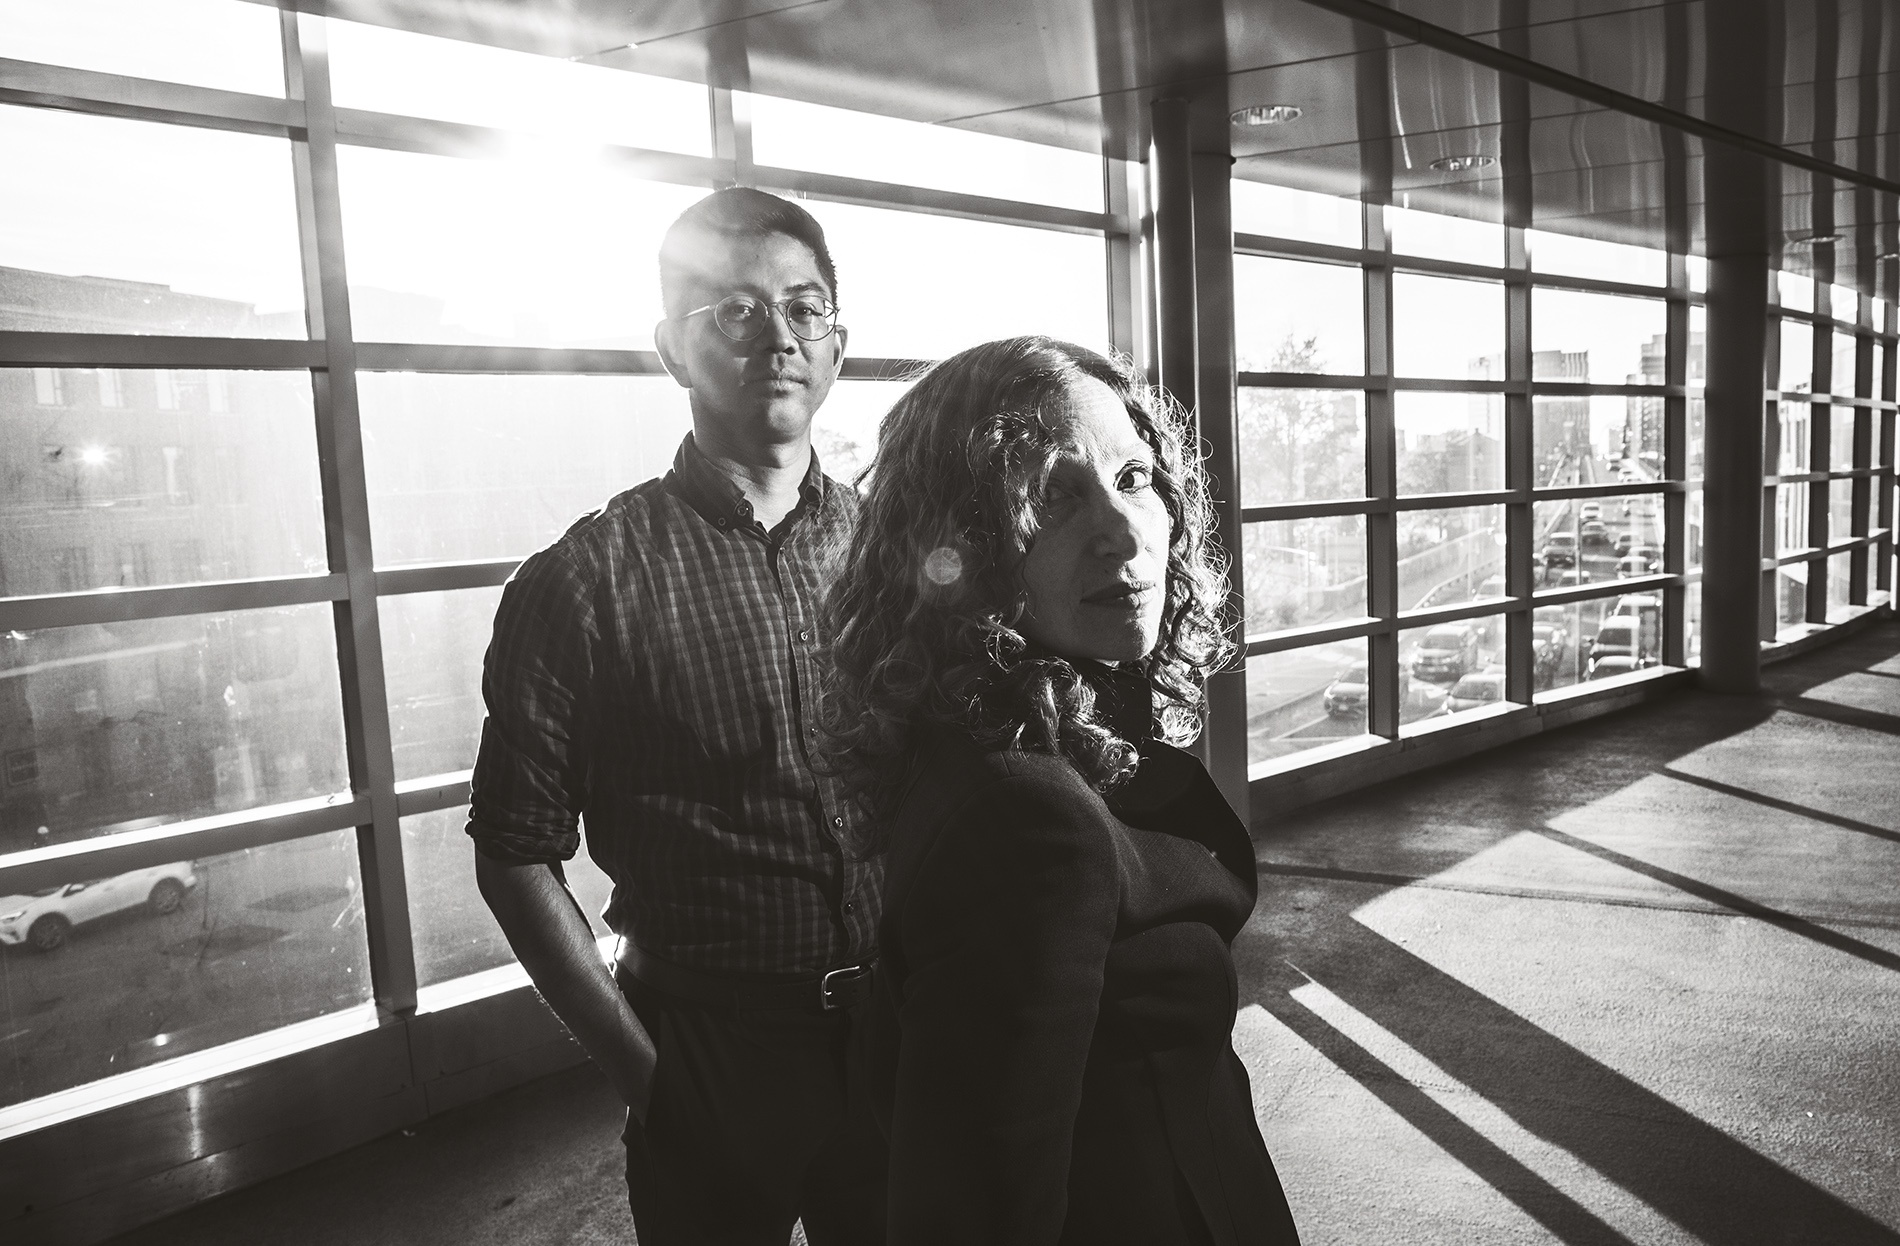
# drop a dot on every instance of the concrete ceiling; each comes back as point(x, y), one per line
point(1378, 107)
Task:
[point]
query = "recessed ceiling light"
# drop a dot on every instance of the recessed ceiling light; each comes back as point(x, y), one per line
point(1267, 114)
point(1813, 240)
point(1458, 164)
point(1887, 255)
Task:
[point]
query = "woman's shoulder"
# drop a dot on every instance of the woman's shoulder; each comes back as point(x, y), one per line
point(949, 763)
point(960, 787)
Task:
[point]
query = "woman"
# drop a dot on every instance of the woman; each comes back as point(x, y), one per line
point(1026, 618)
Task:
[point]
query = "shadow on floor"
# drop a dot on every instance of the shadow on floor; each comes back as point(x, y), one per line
point(1323, 866)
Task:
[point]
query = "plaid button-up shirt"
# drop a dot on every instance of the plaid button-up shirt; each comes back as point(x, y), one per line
point(653, 677)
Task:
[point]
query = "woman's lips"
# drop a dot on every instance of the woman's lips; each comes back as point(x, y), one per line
point(1123, 595)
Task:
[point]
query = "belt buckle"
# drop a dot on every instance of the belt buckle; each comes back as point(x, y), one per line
point(849, 975)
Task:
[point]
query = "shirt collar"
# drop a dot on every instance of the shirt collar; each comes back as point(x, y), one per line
point(713, 494)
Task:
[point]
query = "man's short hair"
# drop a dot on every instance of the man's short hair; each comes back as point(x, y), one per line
point(736, 212)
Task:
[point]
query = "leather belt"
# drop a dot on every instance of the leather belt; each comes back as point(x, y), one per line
point(843, 987)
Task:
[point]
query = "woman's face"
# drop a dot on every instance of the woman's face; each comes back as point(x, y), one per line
point(1096, 571)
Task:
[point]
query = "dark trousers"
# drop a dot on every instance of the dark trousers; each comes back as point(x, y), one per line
point(757, 1120)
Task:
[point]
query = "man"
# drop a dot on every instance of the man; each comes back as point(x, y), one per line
point(654, 673)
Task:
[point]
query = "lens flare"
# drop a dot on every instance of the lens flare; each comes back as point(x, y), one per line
point(943, 566)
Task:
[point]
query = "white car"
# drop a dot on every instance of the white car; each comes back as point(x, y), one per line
point(47, 917)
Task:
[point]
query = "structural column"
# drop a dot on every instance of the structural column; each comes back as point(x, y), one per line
point(1194, 358)
point(1736, 193)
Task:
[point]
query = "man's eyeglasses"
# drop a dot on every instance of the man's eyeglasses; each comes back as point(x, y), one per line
point(810, 317)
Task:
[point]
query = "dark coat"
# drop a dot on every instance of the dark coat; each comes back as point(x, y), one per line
point(1050, 1041)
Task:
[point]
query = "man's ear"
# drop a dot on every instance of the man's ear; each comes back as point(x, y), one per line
point(666, 341)
point(837, 360)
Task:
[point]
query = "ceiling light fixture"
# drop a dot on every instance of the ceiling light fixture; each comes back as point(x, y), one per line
point(1812, 239)
point(1267, 114)
point(1458, 164)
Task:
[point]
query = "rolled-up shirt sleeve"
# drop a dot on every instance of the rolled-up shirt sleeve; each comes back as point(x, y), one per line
point(531, 773)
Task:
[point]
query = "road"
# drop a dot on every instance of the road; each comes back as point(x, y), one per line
point(1286, 713)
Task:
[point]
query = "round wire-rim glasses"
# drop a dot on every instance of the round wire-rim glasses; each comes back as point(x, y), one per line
point(740, 317)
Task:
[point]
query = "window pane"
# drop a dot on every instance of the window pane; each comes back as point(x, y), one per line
point(1796, 291)
point(1839, 581)
point(790, 134)
point(131, 227)
point(1282, 212)
point(1698, 416)
point(1449, 443)
point(395, 71)
point(845, 432)
point(1697, 370)
point(207, 43)
point(1840, 510)
point(1294, 317)
point(1305, 698)
point(1698, 266)
point(1445, 327)
point(1452, 668)
point(1791, 518)
point(1624, 635)
point(904, 278)
point(1841, 370)
point(129, 479)
point(1598, 440)
point(1791, 597)
point(1797, 432)
point(1300, 572)
point(1843, 303)
point(1301, 445)
point(455, 934)
point(467, 467)
point(1563, 255)
point(1797, 357)
point(1840, 436)
point(433, 645)
point(1560, 642)
point(166, 719)
point(507, 252)
point(1621, 340)
point(1591, 540)
point(1447, 557)
point(1692, 530)
point(1692, 624)
point(160, 962)
point(1439, 237)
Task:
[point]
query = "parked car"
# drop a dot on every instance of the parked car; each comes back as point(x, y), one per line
point(1651, 556)
point(1593, 532)
point(46, 918)
point(1560, 549)
point(1474, 690)
point(1346, 695)
point(1631, 565)
point(1614, 664)
point(1446, 654)
point(1632, 639)
point(1623, 542)
point(1590, 510)
point(1570, 577)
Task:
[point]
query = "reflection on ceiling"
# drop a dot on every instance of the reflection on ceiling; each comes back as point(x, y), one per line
point(1377, 113)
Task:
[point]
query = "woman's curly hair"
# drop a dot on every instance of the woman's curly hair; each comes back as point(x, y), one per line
point(923, 621)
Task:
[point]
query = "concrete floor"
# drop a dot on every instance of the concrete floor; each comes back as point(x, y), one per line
point(1636, 982)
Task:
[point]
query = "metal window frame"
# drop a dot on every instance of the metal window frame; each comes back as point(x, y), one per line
point(1382, 503)
point(314, 128)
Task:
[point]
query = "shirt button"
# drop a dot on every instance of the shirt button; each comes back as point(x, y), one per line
point(720, 522)
point(804, 633)
point(838, 822)
point(848, 906)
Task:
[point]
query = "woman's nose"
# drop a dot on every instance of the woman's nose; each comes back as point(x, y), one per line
point(1117, 525)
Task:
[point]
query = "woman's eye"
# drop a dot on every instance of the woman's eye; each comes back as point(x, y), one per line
point(1136, 478)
